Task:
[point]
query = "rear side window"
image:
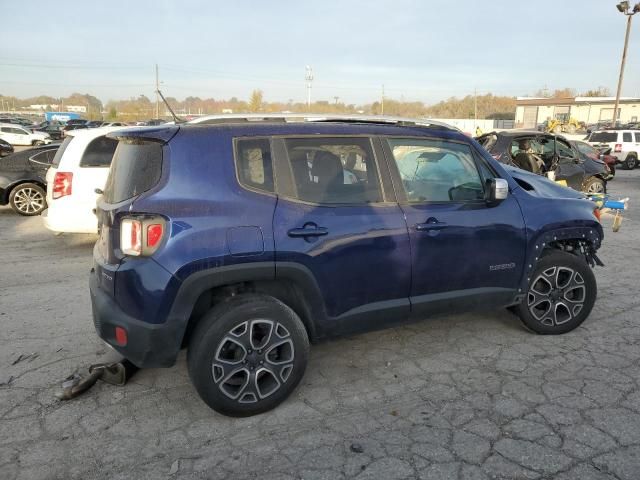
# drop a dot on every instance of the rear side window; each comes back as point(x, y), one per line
point(637, 135)
point(604, 137)
point(626, 137)
point(136, 168)
point(334, 170)
point(99, 152)
point(60, 152)
point(254, 164)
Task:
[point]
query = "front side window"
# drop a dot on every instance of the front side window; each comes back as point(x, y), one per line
point(626, 137)
point(254, 164)
point(637, 135)
point(333, 170)
point(437, 170)
point(99, 152)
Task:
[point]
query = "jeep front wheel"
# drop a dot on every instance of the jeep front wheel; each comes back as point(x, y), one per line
point(247, 355)
point(562, 291)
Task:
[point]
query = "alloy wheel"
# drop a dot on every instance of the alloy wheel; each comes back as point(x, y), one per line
point(28, 200)
point(253, 360)
point(595, 187)
point(556, 295)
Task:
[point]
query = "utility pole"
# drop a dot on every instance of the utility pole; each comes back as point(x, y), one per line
point(157, 95)
point(624, 8)
point(308, 76)
point(336, 99)
point(382, 101)
point(475, 105)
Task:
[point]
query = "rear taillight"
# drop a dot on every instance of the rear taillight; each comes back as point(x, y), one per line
point(618, 148)
point(131, 236)
point(141, 236)
point(154, 234)
point(596, 213)
point(62, 184)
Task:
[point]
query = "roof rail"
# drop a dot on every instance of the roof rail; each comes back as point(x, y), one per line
point(320, 118)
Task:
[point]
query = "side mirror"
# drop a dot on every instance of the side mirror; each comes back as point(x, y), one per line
point(497, 190)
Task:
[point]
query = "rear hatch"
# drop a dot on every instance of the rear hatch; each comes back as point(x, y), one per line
point(136, 168)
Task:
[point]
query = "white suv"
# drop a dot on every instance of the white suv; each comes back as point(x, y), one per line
point(624, 145)
point(80, 166)
point(17, 135)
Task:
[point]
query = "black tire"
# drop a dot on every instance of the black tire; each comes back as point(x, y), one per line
point(227, 340)
point(28, 199)
point(594, 185)
point(630, 162)
point(552, 311)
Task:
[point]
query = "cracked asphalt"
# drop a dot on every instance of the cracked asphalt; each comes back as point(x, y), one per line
point(465, 397)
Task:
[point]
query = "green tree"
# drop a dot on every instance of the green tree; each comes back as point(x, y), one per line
point(256, 103)
point(113, 114)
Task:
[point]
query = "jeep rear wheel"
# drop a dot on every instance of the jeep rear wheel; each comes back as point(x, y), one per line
point(561, 294)
point(247, 355)
point(631, 162)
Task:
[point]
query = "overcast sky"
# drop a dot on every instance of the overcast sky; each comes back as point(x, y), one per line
point(424, 50)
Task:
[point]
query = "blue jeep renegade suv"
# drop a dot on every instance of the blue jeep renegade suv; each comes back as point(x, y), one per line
point(243, 239)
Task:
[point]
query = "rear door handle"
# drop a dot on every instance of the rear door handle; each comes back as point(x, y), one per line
point(308, 231)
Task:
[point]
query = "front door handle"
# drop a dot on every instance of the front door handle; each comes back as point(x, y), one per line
point(430, 225)
point(309, 230)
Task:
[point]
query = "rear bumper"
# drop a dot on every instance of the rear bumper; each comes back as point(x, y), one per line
point(148, 345)
point(69, 220)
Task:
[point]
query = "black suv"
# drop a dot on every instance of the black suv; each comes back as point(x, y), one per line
point(544, 154)
point(247, 238)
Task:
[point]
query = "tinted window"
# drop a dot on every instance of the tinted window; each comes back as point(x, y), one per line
point(437, 171)
point(604, 137)
point(99, 152)
point(253, 163)
point(333, 170)
point(564, 150)
point(60, 151)
point(626, 137)
point(44, 157)
point(586, 149)
point(136, 168)
point(637, 135)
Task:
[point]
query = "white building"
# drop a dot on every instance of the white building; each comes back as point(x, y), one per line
point(532, 111)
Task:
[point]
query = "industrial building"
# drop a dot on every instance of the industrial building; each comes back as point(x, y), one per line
point(531, 112)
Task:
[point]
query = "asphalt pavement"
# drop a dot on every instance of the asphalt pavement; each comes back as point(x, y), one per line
point(465, 397)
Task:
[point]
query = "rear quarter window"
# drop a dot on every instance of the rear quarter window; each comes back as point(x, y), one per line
point(136, 168)
point(99, 152)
